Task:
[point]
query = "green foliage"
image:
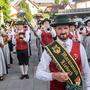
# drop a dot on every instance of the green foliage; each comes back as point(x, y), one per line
point(65, 1)
point(5, 8)
point(25, 7)
point(59, 1)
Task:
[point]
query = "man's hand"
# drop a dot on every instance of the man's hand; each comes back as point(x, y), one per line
point(61, 77)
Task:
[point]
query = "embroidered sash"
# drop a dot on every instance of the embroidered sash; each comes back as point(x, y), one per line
point(66, 63)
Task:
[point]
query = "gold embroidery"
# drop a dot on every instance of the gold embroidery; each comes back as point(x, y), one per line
point(77, 80)
point(56, 49)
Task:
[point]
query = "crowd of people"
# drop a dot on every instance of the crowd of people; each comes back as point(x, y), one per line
point(79, 31)
point(16, 38)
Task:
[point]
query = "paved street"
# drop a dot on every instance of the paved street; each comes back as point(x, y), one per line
point(12, 81)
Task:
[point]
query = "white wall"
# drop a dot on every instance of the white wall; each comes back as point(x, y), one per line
point(83, 5)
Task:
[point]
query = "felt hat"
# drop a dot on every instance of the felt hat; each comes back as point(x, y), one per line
point(61, 20)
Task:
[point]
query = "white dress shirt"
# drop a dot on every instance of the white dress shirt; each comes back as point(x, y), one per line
point(43, 72)
point(27, 35)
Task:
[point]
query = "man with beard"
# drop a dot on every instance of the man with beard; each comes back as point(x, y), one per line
point(47, 70)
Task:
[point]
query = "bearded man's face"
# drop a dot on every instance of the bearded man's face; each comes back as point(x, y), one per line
point(62, 31)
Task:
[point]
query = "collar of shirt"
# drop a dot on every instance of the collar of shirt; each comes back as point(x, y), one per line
point(68, 44)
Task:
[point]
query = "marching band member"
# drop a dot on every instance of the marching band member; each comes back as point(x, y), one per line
point(48, 33)
point(6, 50)
point(47, 70)
point(22, 50)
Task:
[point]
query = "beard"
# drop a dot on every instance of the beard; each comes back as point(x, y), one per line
point(63, 36)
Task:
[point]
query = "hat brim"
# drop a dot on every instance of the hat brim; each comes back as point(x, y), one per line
point(57, 24)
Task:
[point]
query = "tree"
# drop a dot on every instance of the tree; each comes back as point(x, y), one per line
point(5, 8)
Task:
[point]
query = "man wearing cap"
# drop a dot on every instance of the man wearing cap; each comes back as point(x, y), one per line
point(48, 71)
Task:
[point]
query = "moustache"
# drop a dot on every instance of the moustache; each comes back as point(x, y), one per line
point(63, 33)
